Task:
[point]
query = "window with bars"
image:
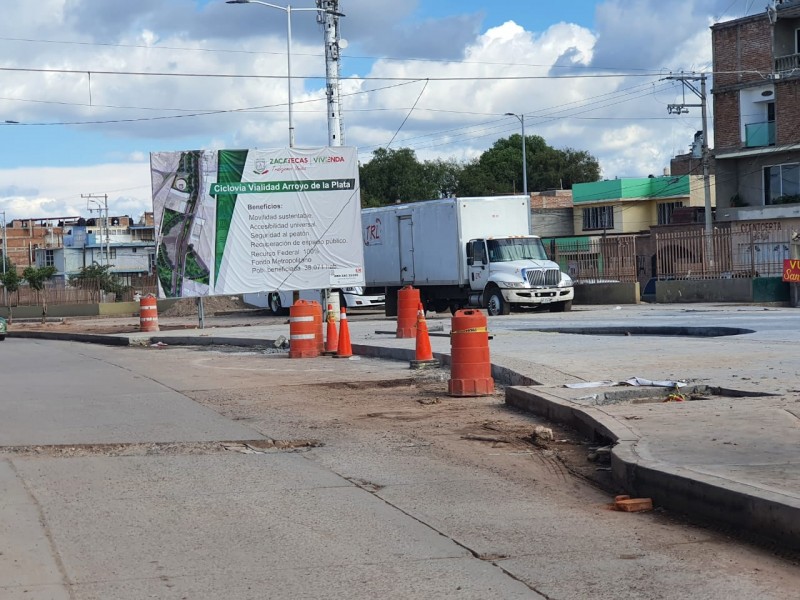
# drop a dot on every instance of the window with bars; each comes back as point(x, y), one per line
point(665, 210)
point(598, 217)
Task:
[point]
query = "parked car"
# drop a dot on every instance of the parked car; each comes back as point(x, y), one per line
point(3, 329)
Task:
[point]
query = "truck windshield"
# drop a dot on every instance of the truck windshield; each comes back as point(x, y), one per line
point(516, 249)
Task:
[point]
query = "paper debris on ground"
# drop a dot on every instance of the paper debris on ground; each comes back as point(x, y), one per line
point(640, 381)
point(590, 384)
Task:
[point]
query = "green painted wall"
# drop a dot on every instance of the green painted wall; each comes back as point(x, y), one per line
point(633, 187)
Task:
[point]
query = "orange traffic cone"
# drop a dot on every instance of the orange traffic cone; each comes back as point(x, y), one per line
point(423, 355)
point(332, 336)
point(343, 349)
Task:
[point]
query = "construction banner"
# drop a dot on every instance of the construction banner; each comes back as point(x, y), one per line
point(236, 221)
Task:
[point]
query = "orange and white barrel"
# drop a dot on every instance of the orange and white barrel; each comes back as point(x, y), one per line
point(470, 367)
point(305, 326)
point(407, 304)
point(148, 313)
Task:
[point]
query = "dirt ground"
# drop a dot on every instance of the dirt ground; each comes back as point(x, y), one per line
point(419, 407)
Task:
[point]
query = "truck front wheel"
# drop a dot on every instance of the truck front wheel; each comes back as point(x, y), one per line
point(275, 305)
point(495, 303)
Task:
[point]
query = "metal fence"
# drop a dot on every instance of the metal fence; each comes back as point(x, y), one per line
point(597, 260)
point(723, 254)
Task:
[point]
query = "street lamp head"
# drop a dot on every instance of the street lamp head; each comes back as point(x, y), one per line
point(510, 115)
point(237, 1)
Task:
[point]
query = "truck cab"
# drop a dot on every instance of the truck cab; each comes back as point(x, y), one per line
point(515, 271)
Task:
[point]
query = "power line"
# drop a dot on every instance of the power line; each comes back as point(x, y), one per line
point(361, 78)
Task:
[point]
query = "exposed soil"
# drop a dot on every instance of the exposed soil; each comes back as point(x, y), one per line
point(212, 305)
point(419, 410)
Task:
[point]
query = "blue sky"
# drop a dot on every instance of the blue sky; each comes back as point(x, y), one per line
point(81, 133)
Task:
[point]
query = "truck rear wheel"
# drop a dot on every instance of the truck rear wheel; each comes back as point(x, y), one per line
point(496, 305)
point(561, 306)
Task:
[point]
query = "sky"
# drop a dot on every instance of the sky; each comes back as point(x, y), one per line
point(88, 88)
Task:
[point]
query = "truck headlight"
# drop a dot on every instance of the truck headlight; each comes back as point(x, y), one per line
point(512, 284)
point(566, 281)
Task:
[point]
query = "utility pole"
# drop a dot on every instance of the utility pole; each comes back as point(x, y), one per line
point(678, 109)
point(328, 17)
point(5, 259)
point(101, 207)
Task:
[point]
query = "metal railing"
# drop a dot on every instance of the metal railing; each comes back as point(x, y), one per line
point(597, 260)
point(746, 252)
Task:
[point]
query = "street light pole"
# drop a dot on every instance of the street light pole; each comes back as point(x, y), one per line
point(5, 259)
point(521, 119)
point(288, 10)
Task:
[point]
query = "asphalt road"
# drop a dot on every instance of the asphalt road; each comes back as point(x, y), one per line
point(113, 486)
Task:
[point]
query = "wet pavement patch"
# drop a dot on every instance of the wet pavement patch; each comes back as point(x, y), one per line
point(651, 331)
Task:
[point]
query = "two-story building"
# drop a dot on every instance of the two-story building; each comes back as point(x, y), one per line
point(634, 204)
point(128, 247)
point(757, 119)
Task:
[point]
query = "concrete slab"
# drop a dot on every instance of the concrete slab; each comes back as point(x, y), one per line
point(28, 568)
point(206, 526)
point(71, 410)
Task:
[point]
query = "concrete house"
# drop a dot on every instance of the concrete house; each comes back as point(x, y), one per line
point(127, 246)
point(634, 204)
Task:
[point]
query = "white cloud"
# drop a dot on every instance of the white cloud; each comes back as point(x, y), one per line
point(56, 192)
point(616, 119)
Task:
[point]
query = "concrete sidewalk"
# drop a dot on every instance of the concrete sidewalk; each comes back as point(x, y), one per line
point(730, 458)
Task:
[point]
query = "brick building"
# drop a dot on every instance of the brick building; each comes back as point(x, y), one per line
point(25, 236)
point(551, 213)
point(757, 116)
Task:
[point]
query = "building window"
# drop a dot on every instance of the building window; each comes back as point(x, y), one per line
point(782, 184)
point(665, 210)
point(598, 217)
point(49, 258)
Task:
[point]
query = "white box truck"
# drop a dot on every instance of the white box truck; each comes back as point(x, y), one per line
point(462, 252)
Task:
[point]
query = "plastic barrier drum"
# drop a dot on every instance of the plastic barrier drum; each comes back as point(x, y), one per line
point(407, 303)
point(305, 329)
point(148, 313)
point(470, 369)
point(318, 322)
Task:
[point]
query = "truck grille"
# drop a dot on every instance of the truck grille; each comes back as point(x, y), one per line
point(543, 277)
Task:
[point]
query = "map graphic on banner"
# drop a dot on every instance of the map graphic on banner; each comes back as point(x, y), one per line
point(238, 221)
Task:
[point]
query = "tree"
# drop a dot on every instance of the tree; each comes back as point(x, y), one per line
point(37, 277)
point(442, 176)
point(499, 169)
point(397, 175)
point(10, 280)
point(95, 278)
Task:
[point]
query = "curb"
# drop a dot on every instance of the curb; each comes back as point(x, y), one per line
point(89, 338)
point(762, 513)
